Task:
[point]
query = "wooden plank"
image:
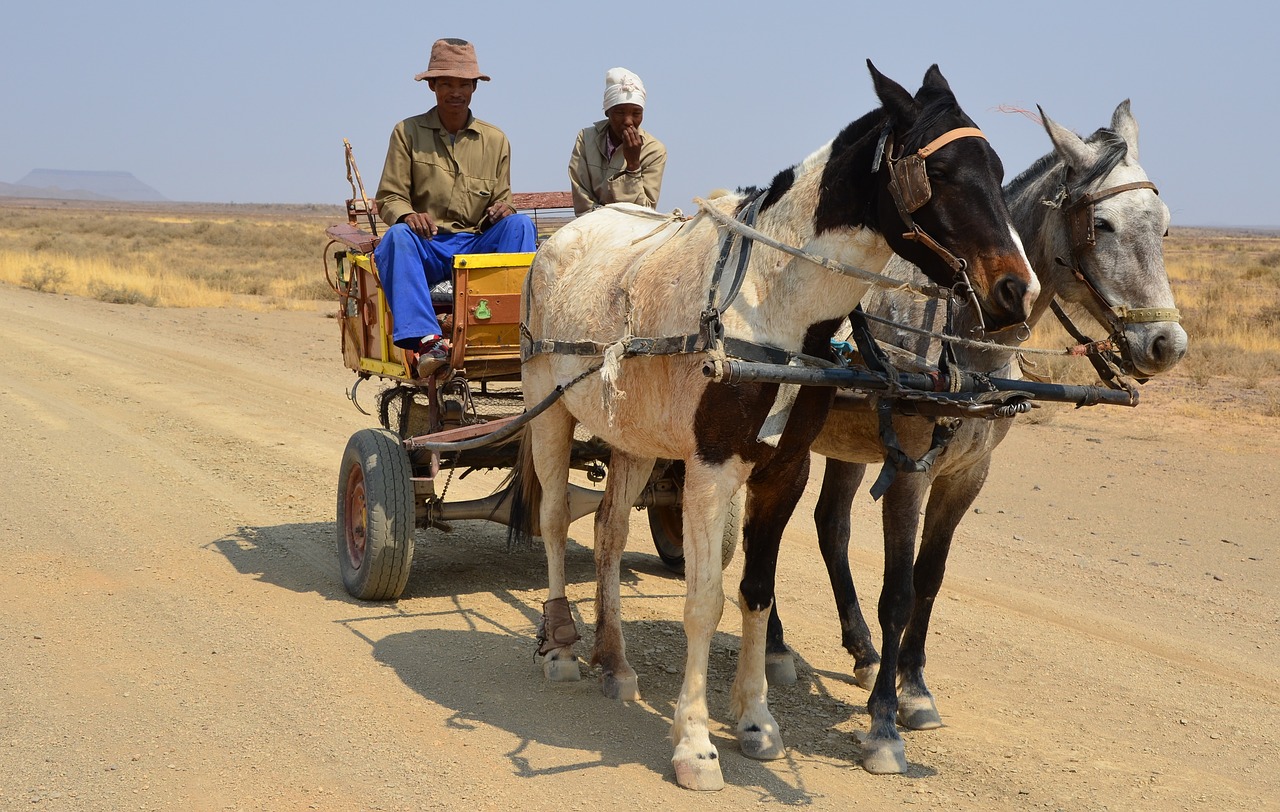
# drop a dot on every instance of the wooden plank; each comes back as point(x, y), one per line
point(542, 200)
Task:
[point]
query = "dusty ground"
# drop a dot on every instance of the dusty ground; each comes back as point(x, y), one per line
point(174, 633)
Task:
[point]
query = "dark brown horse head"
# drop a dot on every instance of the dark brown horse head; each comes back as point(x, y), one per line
point(939, 203)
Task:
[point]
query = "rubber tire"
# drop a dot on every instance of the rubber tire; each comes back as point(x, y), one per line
point(375, 506)
point(666, 525)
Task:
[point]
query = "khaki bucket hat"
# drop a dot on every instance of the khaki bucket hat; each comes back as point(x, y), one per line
point(452, 57)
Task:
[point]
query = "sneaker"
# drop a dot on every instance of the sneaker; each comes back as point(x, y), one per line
point(432, 356)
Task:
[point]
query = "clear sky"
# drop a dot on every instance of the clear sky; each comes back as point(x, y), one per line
point(248, 102)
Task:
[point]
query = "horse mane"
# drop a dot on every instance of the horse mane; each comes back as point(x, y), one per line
point(1112, 150)
point(775, 190)
point(848, 163)
point(847, 195)
point(938, 107)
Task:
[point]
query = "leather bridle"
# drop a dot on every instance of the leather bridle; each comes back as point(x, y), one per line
point(1083, 236)
point(910, 189)
point(1080, 224)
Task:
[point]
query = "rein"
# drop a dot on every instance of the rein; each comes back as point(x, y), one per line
point(879, 280)
point(909, 185)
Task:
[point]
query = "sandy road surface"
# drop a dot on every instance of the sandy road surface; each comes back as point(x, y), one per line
point(174, 634)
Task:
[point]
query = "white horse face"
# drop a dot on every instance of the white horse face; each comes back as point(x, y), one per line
point(1128, 249)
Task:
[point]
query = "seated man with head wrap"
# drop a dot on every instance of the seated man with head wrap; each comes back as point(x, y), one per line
point(614, 161)
point(445, 190)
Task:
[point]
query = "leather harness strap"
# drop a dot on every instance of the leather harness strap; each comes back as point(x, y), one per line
point(711, 331)
point(947, 137)
point(909, 186)
point(1080, 228)
point(1094, 197)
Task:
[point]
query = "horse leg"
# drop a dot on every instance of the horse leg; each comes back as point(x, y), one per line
point(627, 477)
point(770, 502)
point(882, 750)
point(551, 441)
point(840, 483)
point(949, 501)
point(706, 495)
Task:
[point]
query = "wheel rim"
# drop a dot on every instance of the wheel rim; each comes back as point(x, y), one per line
point(356, 516)
point(666, 525)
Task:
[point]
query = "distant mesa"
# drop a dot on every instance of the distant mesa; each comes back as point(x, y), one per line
point(73, 184)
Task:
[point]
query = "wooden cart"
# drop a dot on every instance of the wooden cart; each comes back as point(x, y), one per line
point(389, 485)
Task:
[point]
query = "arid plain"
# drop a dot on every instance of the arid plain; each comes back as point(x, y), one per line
point(176, 636)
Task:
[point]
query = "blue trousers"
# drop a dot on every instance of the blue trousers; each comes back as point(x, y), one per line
point(409, 265)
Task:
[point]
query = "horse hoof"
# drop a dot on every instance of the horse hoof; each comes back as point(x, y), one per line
point(760, 745)
point(880, 757)
point(918, 713)
point(865, 676)
point(780, 669)
point(701, 773)
point(624, 689)
point(561, 670)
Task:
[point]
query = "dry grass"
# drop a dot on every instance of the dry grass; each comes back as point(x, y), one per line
point(1227, 286)
point(176, 256)
point(1227, 283)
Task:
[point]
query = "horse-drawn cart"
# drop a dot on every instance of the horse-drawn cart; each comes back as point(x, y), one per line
point(395, 479)
point(468, 416)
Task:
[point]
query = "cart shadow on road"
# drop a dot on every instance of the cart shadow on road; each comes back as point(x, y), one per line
point(475, 557)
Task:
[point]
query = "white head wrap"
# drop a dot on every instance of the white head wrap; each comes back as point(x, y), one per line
point(621, 86)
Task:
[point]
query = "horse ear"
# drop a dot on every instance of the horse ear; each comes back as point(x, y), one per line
point(1070, 146)
point(934, 81)
point(902, 109)
point(1126, 126)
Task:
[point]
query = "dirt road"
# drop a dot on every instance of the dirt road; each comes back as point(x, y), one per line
point(175, 635)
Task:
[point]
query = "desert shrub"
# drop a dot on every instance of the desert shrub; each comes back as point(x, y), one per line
point(45, 279)
point(316, 289)
point(120, 294)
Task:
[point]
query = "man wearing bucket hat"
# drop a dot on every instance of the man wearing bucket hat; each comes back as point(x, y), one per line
point(445, 190)
point(614, 161)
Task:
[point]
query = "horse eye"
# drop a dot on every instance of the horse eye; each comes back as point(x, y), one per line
point(1102, 225)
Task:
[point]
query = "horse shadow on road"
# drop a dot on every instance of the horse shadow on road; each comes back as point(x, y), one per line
point(567, 727)
point(456, 576)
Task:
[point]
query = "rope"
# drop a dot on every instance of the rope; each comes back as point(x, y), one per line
point(879, 280)
point(1079, 350)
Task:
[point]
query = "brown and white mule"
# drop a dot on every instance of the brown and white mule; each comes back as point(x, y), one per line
point(617, 274)
point(1093, 226)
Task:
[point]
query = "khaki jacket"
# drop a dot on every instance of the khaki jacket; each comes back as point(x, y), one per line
point(454, 183)
point(596, 181)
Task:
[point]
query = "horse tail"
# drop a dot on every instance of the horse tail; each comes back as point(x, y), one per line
point(526, 496)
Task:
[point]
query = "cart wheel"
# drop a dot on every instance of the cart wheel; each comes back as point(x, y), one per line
point(668, 536)
point(666, 525)
point(375, 516)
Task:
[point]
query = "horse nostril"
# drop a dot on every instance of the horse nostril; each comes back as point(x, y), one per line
point(1009, 295)
point(1165, 351)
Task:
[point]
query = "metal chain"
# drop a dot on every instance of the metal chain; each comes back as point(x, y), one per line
point(449, 479)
